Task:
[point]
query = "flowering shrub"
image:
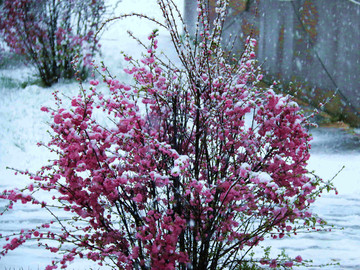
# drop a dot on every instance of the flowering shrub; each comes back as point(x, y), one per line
point(196, 166)
point(51, 33)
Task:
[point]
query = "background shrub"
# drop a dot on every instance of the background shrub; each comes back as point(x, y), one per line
point(52, 33)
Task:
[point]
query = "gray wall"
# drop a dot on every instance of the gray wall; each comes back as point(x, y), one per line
point(291, 53)
point(337, 43)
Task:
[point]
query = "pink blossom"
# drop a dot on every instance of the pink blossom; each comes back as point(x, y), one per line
point(57, 119)
point(273, 264)
point(94, 82)
point(138, 198)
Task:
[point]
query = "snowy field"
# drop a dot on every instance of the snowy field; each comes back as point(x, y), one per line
point(22, 125)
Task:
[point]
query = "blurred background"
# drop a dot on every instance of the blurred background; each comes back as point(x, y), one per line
point(311, 46)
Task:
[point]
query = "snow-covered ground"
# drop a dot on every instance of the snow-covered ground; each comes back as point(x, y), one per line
point(22, 125)
point(332, 149)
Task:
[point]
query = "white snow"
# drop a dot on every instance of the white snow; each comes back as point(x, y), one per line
point(175, 171)
point(181, 160)
point(264, 177)
point(22, 125)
